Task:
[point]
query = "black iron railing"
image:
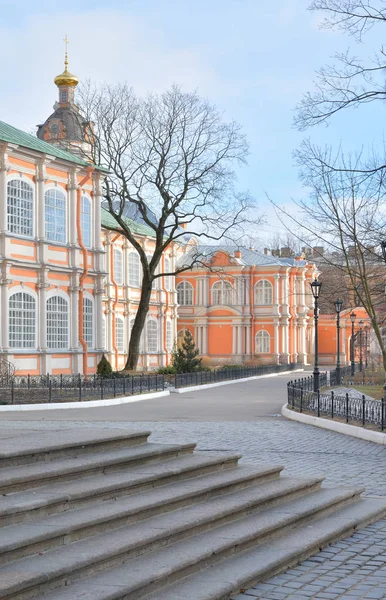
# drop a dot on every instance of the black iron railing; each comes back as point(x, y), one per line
point(202, 377)
point(360, 411)
point(75, 388)
point(7, 371)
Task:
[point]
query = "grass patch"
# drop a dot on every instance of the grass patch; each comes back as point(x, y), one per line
point(375, 391)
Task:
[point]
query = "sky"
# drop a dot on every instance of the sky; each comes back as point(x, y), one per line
point(252, 58)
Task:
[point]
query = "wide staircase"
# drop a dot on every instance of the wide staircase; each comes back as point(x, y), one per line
point(97, 515)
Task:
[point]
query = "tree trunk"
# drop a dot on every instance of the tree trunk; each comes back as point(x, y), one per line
point(139, 322)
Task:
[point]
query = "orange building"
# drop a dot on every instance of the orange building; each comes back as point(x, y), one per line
point(240, 304)
point(327, 331)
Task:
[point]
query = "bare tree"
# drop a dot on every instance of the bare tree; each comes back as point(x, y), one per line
point(171, 159)
point(346, 215)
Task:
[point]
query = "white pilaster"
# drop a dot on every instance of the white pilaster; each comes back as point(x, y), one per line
point(276, 340)
point(3, 190)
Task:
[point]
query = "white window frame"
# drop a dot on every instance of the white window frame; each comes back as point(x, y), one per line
point(118, 266)
point(152, 333)
point(120, 334)
point(86, 235)
point(17, 213)
point(169, 336)
point(184, 293)
point(21, 328)
point(262, 342)
point(59, 328)
point(168, 278)
point(263, 294)
point(134, 269)
point(54, 238)
point(222, 293)
point(88, 323)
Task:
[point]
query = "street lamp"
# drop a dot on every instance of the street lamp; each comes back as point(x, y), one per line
point(338, 307)
point(352, 317)
point(360, 346)
point(366, 346)
point(315, 288)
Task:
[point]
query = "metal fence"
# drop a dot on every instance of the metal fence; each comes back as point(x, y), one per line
point(344, 372)
point(201, 377)
point(361, 411)
point(75, 388)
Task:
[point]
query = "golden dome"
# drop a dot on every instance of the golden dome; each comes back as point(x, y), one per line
point(66, 78)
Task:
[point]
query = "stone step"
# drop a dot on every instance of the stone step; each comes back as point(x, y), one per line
point(228, 577)
point(28, 476)
point(135, 577)
point(213, 499)
point(29, 448)
point(57, 497)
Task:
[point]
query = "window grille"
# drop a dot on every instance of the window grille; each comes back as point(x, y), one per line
point(20, 207)
point(119, 335)
point(263, 342)
point(118, 266)
point(55, 215)
point(85, 221)
point(57, 323)
point(22, 321)
point(169, 336)
point(152, 336)
point(222, 292)
point(185, 293)
point(263, 293)
point(88, 318)
point(134, 268)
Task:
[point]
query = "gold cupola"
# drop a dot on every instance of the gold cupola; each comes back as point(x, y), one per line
point(66, 78)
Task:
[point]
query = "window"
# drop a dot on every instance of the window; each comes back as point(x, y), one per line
point(152, 336)
point(20, 207)
point(118, 267)
point(63, 96)
point(119, 336)
point(134, 268)
point(85, 221)
point(169, 336)
point(57, 323)
point(88, 319)
point(104, 334)
point(222, 293)
point(263, 293)
point(55, 215)
point(263, 342)
point(168, 280)
point(185, 293)
point(22, 321)
point(242, 291)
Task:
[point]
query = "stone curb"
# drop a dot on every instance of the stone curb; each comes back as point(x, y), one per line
point(206, 386)
point(90, 404)
point(358, 432)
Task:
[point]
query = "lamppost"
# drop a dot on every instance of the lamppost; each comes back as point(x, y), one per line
point(338, 307)
point(352, 317)
point(366, 346)
point(360, 346)
point(315, 288)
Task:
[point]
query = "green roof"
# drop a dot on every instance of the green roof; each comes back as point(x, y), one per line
point(13, 135)
point(109, 222)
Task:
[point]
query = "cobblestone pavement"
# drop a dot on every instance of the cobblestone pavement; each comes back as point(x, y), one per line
point(349, 570)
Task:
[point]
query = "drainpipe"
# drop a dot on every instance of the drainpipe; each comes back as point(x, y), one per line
point(251, 305)
point(115, 304)
point(166, 309)
point(85, 266)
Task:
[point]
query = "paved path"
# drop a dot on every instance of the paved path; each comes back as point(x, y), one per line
point(239, 417)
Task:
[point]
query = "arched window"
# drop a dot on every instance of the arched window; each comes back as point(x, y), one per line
point(185, 293)
point(263, 342)
point(20, 210)
point(169, 336)
point(55, 215)
point(263, 293)
point(22, 321)
point(134, 268)
point(88, 322)
point(222, 292)
point(57, 323)
point(118, 266)
point(119, 335)
point(152, 336)
point(85, 221)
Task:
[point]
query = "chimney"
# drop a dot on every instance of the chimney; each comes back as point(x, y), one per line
point(266, 251)
point(237, 253)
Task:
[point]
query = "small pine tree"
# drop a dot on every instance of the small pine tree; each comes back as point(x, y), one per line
point(184, 359)
point(104, 369)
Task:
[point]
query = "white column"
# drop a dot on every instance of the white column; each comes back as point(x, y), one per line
point(248, 344)
point(4, 332)
point(99, 291)
point(277, 298)
point(74, 324)
point(39, 201)
point(234, 339)
point(276, 340)
point(239, 339)
point(97, 213)
point(205, 340)
point(71, 205)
